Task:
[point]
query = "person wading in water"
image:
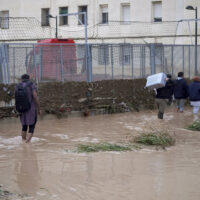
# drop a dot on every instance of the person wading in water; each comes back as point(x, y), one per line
point(27, 104)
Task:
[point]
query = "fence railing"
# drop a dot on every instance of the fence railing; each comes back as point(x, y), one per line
point(67, 62)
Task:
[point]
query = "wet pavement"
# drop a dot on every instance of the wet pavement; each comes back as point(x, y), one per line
point(44, 170)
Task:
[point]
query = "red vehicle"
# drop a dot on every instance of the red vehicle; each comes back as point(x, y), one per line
point(52, 59)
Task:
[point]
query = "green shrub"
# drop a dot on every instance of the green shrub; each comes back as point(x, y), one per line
point(195, 126)
point(157, 139)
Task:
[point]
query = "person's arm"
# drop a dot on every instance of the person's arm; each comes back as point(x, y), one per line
point(36, 99)
point(186, 87)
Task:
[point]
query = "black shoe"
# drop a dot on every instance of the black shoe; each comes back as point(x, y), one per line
point(160, 115)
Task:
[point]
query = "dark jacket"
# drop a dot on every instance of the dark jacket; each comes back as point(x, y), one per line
point(194, 91)
point(181, 89)
point(167, 91)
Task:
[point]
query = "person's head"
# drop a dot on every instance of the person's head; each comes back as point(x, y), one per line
point(196, 79)
point(169, 76)
point(180, 74)
point(25, 77)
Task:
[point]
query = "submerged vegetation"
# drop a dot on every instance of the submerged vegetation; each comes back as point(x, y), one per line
point(153, 139)
point(91, 147)
point(194, 126)
point(157, 139)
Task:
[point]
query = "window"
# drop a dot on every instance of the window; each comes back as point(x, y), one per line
point(104, 14)
point(45, 18)
point(81, 17)
point(157, 11)
point(103, 54)
point(125, 13)
point(63, 19)
point(4, 19)
point(125, 54)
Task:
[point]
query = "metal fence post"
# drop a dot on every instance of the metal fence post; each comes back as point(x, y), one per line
point(90, 62)
point(40, 73)
point(172, 61)
point(71, 61)
point(183, 58)
point(57, 64)
point(104, 48)
point(1, 64)
point(7, 62)
point(0, 67)
point(140, 63)
point(152, 58)
point(189, 61)
point(122, 57)
point(61, 63)
point(26, 60)
point(132, 63)
point(144, 61)
point(13, 64)
point(141, 60)
point(163, 58)
point(34, 63)
point(112, 63)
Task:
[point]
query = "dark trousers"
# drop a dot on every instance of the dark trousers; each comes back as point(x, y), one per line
point(30, 128)
point(161, 104)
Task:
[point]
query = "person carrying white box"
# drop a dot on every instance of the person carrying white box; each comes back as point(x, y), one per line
point(164, 96)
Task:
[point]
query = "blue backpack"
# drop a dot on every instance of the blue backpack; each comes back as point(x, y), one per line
point(22, 102)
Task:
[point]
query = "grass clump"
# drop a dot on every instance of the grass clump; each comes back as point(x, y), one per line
point(157, 139)
point(82, 148)
point(194, 126)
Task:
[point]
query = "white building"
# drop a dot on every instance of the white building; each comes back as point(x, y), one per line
point(118, 21)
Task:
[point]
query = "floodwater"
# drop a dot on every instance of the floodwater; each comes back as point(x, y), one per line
point(44, 170)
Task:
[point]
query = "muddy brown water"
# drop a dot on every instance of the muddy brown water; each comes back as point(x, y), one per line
point(43, 170)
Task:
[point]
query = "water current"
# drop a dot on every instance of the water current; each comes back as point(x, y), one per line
point(44, 170)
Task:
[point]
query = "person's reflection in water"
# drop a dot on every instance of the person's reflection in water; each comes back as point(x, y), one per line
point(28, 174)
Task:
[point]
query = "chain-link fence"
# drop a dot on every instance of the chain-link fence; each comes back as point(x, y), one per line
point(31, 29)
point(67, 62)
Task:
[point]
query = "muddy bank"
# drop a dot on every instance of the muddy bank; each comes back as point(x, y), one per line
point(114, 96)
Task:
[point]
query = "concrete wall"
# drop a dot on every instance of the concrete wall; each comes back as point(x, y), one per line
point(111, 95)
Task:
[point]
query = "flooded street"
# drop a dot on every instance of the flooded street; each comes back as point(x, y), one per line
point(44, 170)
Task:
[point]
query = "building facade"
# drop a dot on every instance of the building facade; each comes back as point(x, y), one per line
point(135, 21)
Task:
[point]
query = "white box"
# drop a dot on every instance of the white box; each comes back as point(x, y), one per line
point(156, 81)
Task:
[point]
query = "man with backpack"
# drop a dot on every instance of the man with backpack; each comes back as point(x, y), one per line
point(27, 105)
